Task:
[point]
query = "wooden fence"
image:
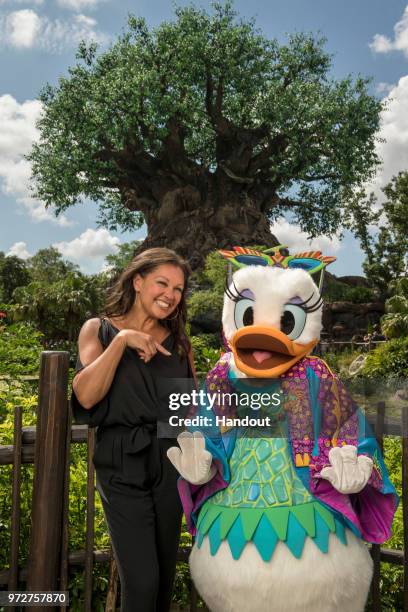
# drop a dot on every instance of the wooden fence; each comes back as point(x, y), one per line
point(48, 446)
point(325, 346)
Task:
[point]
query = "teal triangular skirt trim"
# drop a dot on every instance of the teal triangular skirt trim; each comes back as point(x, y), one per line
point(266, 527)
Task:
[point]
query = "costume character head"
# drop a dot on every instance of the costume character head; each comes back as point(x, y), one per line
point(272, 314)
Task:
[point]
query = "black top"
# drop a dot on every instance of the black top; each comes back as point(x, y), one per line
point(139, 394)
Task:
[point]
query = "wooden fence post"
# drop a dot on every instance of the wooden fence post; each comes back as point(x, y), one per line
point(49, 462)
point(16, 501)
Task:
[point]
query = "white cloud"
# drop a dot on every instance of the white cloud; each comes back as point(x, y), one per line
point(19, 249)
point(393, 152)
point(79, 5)
point(22, 28)
point(91, 245)
point(384, 88)
point(383, 44)
point(34, 2)
point(297, 240)
point(17, 134)
point(25, 29)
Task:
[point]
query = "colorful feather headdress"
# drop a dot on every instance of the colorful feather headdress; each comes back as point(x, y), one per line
point(279, 256)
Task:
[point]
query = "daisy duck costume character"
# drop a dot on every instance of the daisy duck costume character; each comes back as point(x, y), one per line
point(281, 511)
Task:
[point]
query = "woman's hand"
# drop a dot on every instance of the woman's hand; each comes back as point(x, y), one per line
point(143, 343)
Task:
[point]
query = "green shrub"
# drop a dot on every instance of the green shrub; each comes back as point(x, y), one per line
point(212, 279)
point(336, 291)
point(391, 581)
point(394, 323)
point(207, 301)
point(340, 361)
point(205, 354)
point(388, 360)
point(20, 349)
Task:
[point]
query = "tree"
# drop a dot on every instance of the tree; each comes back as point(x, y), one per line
point(207, 131)
point(118, 261)
point(395, 322)
point(13, 273)
point(387, 249)
point(48, 266)
point(59, 308)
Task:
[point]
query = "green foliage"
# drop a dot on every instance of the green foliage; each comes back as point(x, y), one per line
point(16, 340)
point(204, 302)
point(210, 299)
point(118, 261)
point(205, 353)
point(388, 360)
point(214, 272)
point(59, 307)
point(394, 323)
point(386, 252)
point(182, 99)
point(336, 291)
point(392, 576)
point(340, 361)
point(48, 266)
point(20, 348)
point(13, 273)
point(51, 293)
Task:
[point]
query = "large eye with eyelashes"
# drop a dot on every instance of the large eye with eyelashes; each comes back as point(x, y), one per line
point(244, 313)
point(293, 321)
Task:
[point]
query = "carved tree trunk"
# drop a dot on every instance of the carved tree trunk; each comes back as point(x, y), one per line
point(193, 225)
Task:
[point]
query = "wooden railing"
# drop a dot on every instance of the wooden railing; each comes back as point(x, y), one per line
point(325, 346)
point(48, 446)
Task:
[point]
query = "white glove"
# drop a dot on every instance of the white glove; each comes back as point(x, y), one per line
point(192, 462)
point(348, 473)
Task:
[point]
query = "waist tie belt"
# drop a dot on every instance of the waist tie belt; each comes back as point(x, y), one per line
point(136, 437)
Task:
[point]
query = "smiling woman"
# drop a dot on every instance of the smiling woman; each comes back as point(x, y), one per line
point(124, 358)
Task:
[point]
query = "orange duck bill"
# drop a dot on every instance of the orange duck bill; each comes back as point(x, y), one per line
point(266, 352)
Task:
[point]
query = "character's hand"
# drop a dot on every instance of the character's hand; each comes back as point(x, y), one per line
point(193, 462)
point(348, 473)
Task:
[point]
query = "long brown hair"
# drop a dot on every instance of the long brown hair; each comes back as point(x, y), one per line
point(121, 296)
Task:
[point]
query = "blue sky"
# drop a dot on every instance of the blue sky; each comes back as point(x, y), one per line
point(38, 39)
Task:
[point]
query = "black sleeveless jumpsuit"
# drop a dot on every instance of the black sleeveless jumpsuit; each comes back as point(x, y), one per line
point(136, 481)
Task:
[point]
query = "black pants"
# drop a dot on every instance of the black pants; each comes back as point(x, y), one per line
point(143, 513)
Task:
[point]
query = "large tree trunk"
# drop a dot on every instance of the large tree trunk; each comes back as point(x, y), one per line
point(193, 227)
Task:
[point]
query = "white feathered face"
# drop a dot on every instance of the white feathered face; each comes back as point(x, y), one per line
point(272, 317)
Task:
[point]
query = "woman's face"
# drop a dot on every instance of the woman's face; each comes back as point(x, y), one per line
point(159, 292)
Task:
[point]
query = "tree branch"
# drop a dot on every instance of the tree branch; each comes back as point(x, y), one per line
point(174, 157)
point(134, 201)
point(319, 177)
point(220, 124)
point(277, 145)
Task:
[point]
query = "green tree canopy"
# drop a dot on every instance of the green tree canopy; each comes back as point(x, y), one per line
point(59, 307)
point(13, 273)
point(206, 130)
point(395, 322)
point(48, 266)
point(118, 261)
point(387, 249)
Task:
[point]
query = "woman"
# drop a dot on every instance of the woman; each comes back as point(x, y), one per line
point(128, 362)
